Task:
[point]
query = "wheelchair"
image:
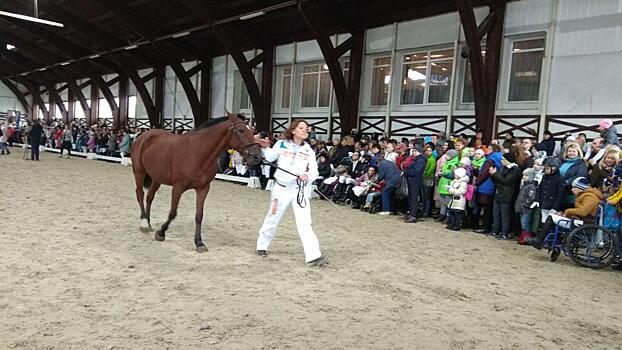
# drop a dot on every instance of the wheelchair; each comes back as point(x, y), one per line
point(587, 245)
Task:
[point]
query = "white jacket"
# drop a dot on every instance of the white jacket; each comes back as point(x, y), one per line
point(293, 158)
point(5, 136)
point(457, 189)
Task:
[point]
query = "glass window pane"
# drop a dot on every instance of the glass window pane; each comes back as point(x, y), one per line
point(440, 82)
point(414, 80)
point(324, 90)
point(382, 61)
point(525, 76)
point(444, 54)
point(381, 78)
point(528, 45)
point(467, 90)
point(244, 98)
point(309, 90)
point(285, 95)
point(287, 71)
point(310, 69)
point(414, 57)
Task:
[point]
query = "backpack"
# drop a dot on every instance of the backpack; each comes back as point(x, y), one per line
point(469, 193)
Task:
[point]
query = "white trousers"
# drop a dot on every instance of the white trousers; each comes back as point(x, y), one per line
point(282, 199)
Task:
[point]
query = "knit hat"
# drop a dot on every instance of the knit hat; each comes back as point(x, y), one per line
point(460, 172)
point(605, 124)
point(418, 148)
point(466, 161)
point(552, 162)
point(571, 138)
point(530, 173)
point(509, 157)
point(391, 157)
point(451, 153)
point(581, 183)
point(402, 146)
point(480, 152)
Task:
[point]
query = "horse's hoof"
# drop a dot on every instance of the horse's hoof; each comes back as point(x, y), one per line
point(202, 249)
point(146, 229)
point(157, 237)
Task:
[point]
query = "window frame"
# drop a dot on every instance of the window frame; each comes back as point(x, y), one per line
point(321, 70)
point(371, 79)
point(510, 48)
point(428, 62)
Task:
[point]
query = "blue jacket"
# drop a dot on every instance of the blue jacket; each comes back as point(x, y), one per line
point(389, 172)
point(610, 135)
point(488, 186)
point(416, 167)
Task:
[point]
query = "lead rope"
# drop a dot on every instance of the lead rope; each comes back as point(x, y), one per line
point(301, 199)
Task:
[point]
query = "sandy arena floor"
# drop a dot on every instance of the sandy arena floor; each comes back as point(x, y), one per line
point(76, 273)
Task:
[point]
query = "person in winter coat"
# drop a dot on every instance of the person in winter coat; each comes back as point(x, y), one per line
point(506, 180)
point(414, 178)
point(35, 134)
point(427, 185)
point(388, 172)
point(486, 189)
point(586, 205)
point(573, 166)
point(446, 175)
point(91, 143)
point(323, 167)
point(126, 143)
point(608, 132)
point(550, 193)
point(457, 205)
point(603, 169)
point(548, 144)
point(526, 197)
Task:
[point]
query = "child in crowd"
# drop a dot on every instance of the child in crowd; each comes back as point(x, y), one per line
point(507, 180)
point(457, 204)
point(526, 197)
point(446, 175)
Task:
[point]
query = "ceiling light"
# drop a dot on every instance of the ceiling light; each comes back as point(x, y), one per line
point(131, 47)
point(252, 15)
point(65, 63)
point(179, 35)
point(10, 47)
point(24, 74)
point(31, 19)
point(94, 57)
point(42, 69)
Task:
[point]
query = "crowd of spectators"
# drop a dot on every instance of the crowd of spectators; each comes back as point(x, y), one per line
point(508, 189)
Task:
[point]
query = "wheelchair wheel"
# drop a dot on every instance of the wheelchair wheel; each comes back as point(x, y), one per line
point(592, 246)
point(554, 254)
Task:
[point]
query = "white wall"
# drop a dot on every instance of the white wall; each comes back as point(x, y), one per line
point(8, 101)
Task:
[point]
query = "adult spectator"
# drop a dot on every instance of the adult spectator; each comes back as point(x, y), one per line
point(358, 165)
point(608, 132)
point(508, 140)
point(486, 188)
point(478, 140)
point(388, 172)
point(414, 177)
point(595, 152)
point(34, 136)
point(523, 157)
point(67, 138)
point(124, 146)
point(573, 166)
point(427, 189)
point(4, 136)
point(547, 144)
point(603, 169)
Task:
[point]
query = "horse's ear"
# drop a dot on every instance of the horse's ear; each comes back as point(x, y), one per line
point(230, 115)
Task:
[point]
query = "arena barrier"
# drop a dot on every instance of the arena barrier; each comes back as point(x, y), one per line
point(251, 182)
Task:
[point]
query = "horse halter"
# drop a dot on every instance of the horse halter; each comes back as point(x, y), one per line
point(237, 129)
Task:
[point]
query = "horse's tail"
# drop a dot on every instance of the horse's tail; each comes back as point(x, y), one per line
point(147, 182)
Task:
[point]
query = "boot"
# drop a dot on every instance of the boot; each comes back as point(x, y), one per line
point(523, 235)
point(534, 242)
point(440, 218)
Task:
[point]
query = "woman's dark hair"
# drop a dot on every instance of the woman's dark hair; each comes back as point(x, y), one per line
point(288, 134)
point(450, 145)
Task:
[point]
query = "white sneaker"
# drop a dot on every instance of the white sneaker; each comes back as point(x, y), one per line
point(384, 213)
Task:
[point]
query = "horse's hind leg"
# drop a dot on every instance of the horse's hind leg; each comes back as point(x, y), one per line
point(145, 224)
point(160, 234)
point(198, 219)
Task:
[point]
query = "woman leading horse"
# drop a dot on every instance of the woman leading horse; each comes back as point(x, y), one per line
point(187, 161)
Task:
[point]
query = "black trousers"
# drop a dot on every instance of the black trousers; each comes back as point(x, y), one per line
point(414, 186)
point(34, 151)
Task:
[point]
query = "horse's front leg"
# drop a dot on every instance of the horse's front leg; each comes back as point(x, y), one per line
point(198, 218)
point(175, 196)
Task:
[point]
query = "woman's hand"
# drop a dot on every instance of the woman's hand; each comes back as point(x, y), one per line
point(492, 170)
point(303, 178)
point(263, 143)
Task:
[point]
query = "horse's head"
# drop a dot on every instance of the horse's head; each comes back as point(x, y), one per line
point(242, 140)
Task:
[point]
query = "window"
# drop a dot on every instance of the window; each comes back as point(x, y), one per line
point(286, 88)
point(526, 70)
point(346, 71)
point(426, 77)
point(316, 86)
point(381, 78)
point(240, 93)
point(467, 88)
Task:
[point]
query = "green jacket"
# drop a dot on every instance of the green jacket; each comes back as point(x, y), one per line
point(447, 175)
point(430, 167)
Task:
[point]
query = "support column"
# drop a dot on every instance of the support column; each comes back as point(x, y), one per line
point(92, 118)
point(71, 110)
point(484, 70)
point(206, 91)
point(122, 118)
point(159, 97)
point(264, 119)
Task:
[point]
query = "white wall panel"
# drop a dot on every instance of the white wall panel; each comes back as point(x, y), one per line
point(219, 77)
point(379, 39)
point(8, 101)
point(527, 16)
point(428, 31)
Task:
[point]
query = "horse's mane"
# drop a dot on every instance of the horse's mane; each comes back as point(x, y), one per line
point(215, 121)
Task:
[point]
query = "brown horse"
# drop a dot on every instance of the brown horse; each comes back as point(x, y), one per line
point(184, 162)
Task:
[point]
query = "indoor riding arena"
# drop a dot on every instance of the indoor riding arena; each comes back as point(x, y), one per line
point(442, 141)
